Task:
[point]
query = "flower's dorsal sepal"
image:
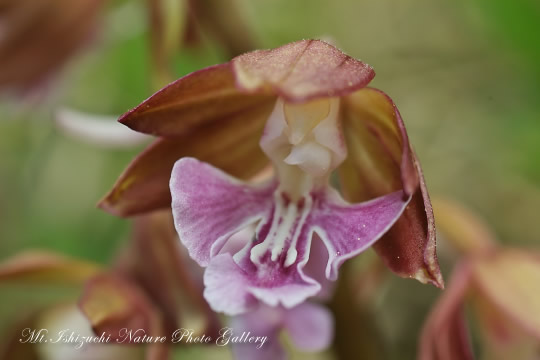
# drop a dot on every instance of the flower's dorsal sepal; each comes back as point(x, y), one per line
point(301, 71)
point(210, 206)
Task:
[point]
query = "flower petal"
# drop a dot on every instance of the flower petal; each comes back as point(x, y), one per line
point(511, 281)
point(232, 145)
point(301, 71)
point(445, 335)
point(310, 326)
point(347, 230)
point(205, 96)
point(209, 206)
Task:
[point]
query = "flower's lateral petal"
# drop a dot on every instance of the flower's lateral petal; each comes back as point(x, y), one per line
point(209, 206)
point(205, 96)
point(231, 145)
point(101, 130)
point(511, 281)
point(445, 335)
point(380, 159)
point(347, 230)
point(263, 321)
point(40, 267)
point(409, 247)
point(301, 71)
point(310, 326)
point(114, 305)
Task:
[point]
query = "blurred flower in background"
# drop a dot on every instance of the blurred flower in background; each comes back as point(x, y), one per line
point(502, 287)
point(151, 287)
point(149, 290)
point(38, 270)
point(205, 114)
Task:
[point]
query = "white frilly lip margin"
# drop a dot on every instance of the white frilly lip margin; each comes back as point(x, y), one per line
point(100, 130)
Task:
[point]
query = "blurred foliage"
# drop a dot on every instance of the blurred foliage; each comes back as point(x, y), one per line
point(465, 76)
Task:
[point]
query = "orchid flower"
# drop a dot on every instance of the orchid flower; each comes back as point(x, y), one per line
point(318, 116)
point(499, 285)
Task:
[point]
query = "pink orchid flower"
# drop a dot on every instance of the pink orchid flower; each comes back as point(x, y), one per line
point(499, 285)
point(305, 108)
